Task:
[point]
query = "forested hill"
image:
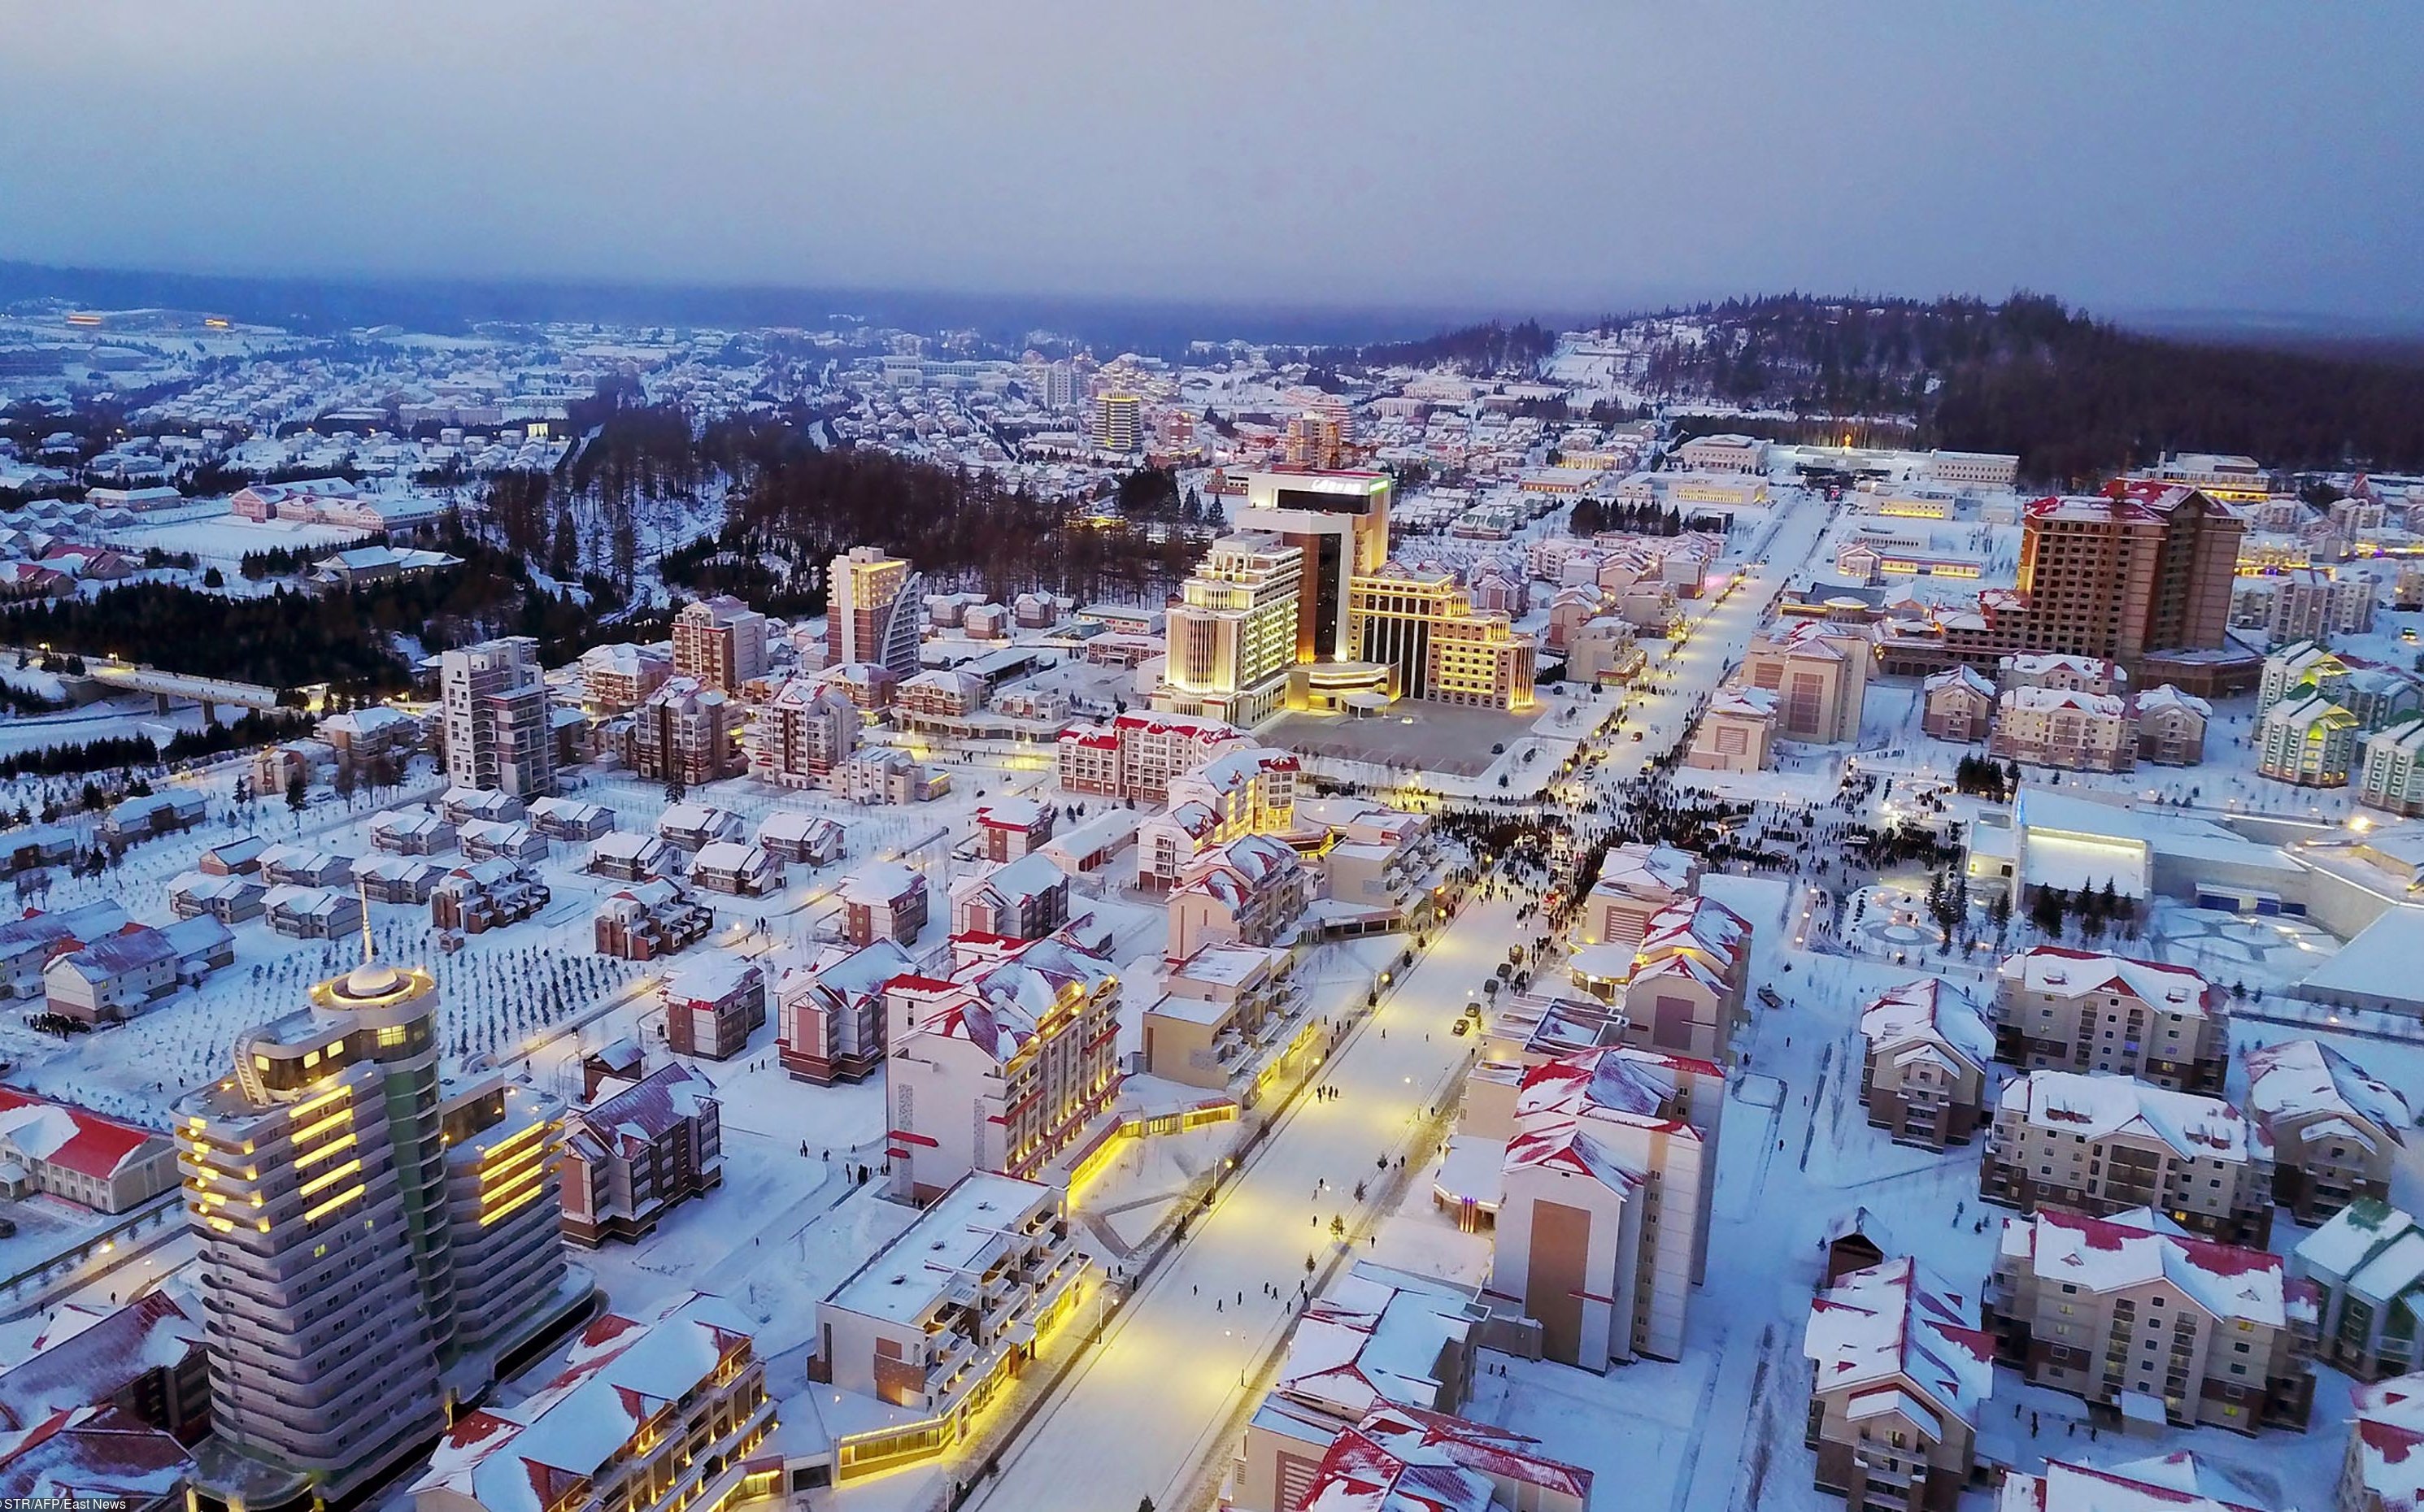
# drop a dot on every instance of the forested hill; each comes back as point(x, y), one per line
point(2077, 398)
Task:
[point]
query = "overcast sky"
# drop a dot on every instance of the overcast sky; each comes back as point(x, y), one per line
point(2212, 156)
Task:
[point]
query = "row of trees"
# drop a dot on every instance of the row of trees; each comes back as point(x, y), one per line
point(2074, 398)
point(1985, 778)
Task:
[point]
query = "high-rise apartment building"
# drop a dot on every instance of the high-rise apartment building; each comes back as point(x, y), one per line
point(2143, 568)
point(371, 1239)
point(721, 642)
point(1119, 422)
point(1233, 636)
point(498, 733)
point(1340, 521)
point(872, 610)
point(1424, 625)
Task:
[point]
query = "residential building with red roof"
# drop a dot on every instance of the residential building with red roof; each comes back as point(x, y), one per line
point(650, 1413)
point(1899, 1369)
point(2064, 1010)
point(69, 1152)
point(641, 1150)
point(1004, 1065)
point(2131, 1312)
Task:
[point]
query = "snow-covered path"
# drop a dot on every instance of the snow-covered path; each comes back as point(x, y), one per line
point(1162, 1389)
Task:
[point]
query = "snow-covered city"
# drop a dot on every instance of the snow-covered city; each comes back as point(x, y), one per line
point(1288, 874)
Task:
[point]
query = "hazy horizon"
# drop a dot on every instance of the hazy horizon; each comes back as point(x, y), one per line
point(1422, 158)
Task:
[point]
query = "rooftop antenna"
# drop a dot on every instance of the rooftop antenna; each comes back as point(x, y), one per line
point(362, 888)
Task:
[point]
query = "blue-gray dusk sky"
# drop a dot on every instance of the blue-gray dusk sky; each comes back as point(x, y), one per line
point(2214, 155)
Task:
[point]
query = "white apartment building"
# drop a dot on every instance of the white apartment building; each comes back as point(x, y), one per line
point(1002, 1066)
point(498, 731)
point(1233, 636)
point(1602, 1199)
point(939, 1320)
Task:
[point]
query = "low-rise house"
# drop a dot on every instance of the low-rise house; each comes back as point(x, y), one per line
point(2130, 1312)
point(312, 913)
point(630, 855)
point(1900, 1367)
point(713, 1005)
point(2171, 726)
point(1025, 899)
point(378, 729)
point(2109, 1144)
point(1089, 849)
point(1925, 1075)
point(231, 898)
point(568, 819)
point(236, 858)
point(885, 774)
point(397, 879)
point(829, 1011)
point(154, 814)
point(139, 1366)
point(645, 920)
point(300, 865)
point(2335, 1130)
point(460, 804)
point(652, 1412)
point(690, 824)
point(2085, 1011)
point(736, 869)
point(887, 900)
point(416, 831)
point(28, 944)
point(641, 1150)
point(510, 839)
point(487, 895)
point(948, 1313)
point(203, 945)
point(1956, 703)
point(2367, 1267)
point(802, 838)
point(79, 1155)
point(112, 978)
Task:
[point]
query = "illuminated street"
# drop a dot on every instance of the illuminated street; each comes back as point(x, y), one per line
point(1162, 1391)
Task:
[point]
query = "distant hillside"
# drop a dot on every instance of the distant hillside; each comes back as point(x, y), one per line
point(2077, 398)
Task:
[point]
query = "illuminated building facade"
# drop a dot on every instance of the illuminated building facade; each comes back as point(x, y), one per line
point(871, 609)
point(372, 1238)
point(1340, 522)
point(1424, 625)
point(1234, 635)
